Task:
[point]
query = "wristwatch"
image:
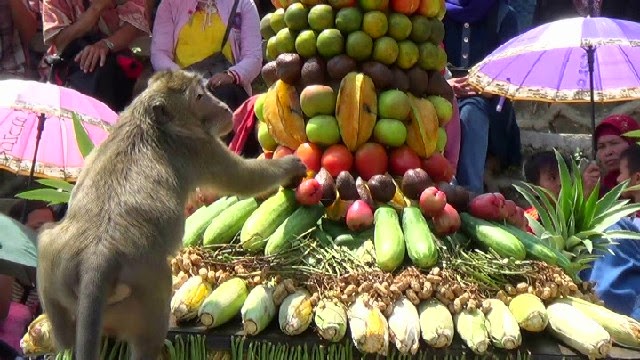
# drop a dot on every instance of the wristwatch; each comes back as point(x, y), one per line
point(109, 44)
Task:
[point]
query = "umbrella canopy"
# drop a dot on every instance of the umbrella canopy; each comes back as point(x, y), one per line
point(23, 103)
point(550, 63)
point(18, 254)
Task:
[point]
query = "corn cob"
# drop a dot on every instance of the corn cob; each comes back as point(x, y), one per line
point(331, 320)
point(38, 339)
point(472, 329)
point(369, 329)
point(295, 313)
point(622, 329)
point(404, 326)
point(575, 329)
point(436, 323)
point(529, 312)
point(258, 309)
point(189, 297)
point(223, 303)
point(502, 326)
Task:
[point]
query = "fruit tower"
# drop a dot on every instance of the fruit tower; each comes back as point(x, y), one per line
point(356, 89)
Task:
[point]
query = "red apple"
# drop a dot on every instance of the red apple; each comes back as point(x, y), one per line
point(337, 158)
point(371, 159)
point(438, 168)
point(402, 159)
point(281, 151)
point(406, 7)
point(339, 4)
point(311, 156)
point(309, 192)
point(509, 209)
point(487, 206)
point(447, 222)
point(359, 216)
point(432, 201)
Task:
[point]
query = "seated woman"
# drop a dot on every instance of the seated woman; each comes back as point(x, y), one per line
point(610, 144)
point(93, 39)
point(218, 38)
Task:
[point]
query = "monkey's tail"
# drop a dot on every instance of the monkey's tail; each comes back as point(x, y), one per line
point(96, 279)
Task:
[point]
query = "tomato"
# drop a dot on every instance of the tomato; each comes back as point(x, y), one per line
point(402, 159)
point(337, 158)
point(311, 156)
point(371, 159)
point(281, 151)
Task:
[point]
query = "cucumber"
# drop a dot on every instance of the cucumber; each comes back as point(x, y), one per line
point(334, 228)
point(264, 221)
point(534, 247)
point(420, 244)
point(224, 227)
point(353, 240)
point(388, 240)
point(493, 237)
point(321, 237)
point(197, 223)
point(302, 220)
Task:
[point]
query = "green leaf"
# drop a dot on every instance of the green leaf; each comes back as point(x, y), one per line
point(611, 217)
point(608, 200)
point(566, 196)
point(82, 138)
point(56, 183)
point(622, 235)
point(529, 194)
point(559, 219)
point(588, 245)
point(590, 207)
point(49, 195)
point(632, 133)
point(535, 225)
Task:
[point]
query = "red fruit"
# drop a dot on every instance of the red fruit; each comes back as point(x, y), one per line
point(402, 159)
point(406, 7)
point(447, 222)
point(518, 219)
point(266, 155)
point(371, 159)
point(487, 206)
point(359, 216)
point(438, 168)
point(311, 156)
point(281, 151)
point(309, 192)
point(508, 209)
point(337, 158)
point(432, 201)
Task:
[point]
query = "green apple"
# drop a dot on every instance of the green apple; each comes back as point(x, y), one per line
point(323, 130)
point(441, 143)
point(265, 139)
point(444, 108)
point(390, 132)
point(317, 100)
point(258, 106)
point(306, 44)
point(393, 104)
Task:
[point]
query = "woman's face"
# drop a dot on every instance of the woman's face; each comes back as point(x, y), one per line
point(609, 149)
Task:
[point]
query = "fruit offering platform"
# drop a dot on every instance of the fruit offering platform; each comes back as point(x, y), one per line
point(538, 346)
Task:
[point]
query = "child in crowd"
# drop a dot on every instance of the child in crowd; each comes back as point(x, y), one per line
point(541, 169)
point(630, 170)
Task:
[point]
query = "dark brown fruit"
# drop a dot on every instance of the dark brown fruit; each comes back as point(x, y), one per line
point(288, 67)
point(365, 192)
point(339, 66)
point(269, 74)
point(382, 188)
point(438, 85)
point(329, 192)
point(346, 185)
point(457, 196)
point(400, 79)
point(414, 182)
point(418, 81)
point(380, 74)
point(313, 72)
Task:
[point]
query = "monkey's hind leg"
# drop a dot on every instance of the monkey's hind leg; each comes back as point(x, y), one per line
point(63, 326)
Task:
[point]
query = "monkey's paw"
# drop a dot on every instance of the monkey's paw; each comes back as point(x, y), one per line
point(294, 167)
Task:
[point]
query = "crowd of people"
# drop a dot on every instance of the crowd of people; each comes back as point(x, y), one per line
point(86, 45)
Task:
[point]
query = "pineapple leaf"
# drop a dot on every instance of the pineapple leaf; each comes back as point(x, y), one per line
point(590, 207)
point(587, 234)
point(535, 225)
point(611, 217)
point(566, 196)
point(56, 184)
point(632, 133)
point(559, 220)
point(529, 195)
point(622, 234)
point(588, 245)
point(608, 200)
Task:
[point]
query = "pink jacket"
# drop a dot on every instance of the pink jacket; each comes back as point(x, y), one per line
point(245, 38)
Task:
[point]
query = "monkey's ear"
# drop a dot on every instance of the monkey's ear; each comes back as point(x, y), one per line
point(161, 114)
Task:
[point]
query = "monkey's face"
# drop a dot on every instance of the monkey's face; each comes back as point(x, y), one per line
point(215, 115)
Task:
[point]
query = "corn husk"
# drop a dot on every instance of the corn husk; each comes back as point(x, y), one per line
point(436, 323)
point(223, 303)
point(529, 312)
point(577, 330)
point(369, 328)
point(404, 326)
point(503, 328)
point(38, 339)
point(189, 297)
point(331, 320)
point(623, 330)
point(258, 309)
point(295, 312)
point(470, 324)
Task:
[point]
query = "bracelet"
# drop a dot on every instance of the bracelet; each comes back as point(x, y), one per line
point(233, 75)
point(109, 44)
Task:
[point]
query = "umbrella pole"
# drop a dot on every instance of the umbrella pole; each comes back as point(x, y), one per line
point(591, 51)
point(41, 118)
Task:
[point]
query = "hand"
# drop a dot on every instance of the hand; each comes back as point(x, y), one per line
point(461, 87)
point(220, 79)
point(103, 4)
point(294, 166)
point(91, 56)
point(590, 177)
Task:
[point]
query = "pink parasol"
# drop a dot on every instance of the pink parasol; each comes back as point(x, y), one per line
point(37, 117)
